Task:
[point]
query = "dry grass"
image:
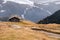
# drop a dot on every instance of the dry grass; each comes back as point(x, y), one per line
point(24, 33)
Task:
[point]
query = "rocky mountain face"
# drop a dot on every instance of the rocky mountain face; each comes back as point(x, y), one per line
point(11, 8)
point(34, 14)
point(55, 18)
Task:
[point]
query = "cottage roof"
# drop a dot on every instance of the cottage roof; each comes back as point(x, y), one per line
point(17, 16)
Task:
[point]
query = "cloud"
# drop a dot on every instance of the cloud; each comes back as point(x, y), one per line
point(46, 2)
point(4, 1)
point(57, 2)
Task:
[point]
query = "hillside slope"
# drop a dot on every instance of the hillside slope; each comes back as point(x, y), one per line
point(23, 31)
point(55, 18)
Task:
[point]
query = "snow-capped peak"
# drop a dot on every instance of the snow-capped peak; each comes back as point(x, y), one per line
point(21, 2)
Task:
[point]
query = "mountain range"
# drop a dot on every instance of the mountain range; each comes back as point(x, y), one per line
point(33, 13)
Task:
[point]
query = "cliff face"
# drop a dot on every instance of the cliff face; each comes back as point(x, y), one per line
point(55, 18)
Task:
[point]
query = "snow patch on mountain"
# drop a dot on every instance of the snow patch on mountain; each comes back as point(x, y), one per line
point(21, 2)
point(2, 10)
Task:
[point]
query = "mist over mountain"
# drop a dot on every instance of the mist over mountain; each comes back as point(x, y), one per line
point(52, 7)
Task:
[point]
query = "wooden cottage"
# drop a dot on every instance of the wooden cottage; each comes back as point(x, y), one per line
point(15, 18)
